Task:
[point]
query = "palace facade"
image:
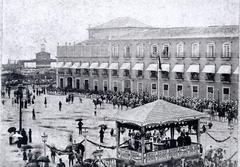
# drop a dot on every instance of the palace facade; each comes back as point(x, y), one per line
point(122, 55)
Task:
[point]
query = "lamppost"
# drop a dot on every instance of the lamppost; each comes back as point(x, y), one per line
point(84, 133)
point(20, 96)
point(44, 139)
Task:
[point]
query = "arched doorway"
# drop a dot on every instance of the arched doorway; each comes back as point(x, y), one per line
point(78, 84)
point(127, 86)
point(95, 85)
point(86, 85)
point(61, 82)
point(69, 82)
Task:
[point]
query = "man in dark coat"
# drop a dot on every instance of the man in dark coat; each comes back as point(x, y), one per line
point(60, 105)
point(45, 102)
point(80, 124)
point(30, 135)
point(101, 132)
point(187, 139)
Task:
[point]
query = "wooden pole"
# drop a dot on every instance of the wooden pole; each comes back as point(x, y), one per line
point(198, 131)
point(143, 143)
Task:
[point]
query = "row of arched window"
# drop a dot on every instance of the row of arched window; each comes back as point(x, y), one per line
point(210, 51)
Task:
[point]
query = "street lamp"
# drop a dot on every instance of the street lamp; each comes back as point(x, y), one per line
point(44, 139)
point(19, 97)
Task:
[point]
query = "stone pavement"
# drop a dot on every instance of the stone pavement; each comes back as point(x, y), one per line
point(58, 125)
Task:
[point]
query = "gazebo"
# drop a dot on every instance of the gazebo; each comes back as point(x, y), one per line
point(158, 115)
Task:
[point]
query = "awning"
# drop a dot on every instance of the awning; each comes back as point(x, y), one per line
point(138, 66)
point(67, 65)
point(209, 69)
point(125, 66)
point(178, 68)
point(165, 67)
point(152, 67)
point(224, 69)
point(94, 66)
point(193, 68)
point(76, 65)
point(84, 65)
point(53, 64)
point(103, 66)
point(236, 71)
point(113, 66)
point(59, 64)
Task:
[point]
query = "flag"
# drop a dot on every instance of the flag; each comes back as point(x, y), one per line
point(159, 63)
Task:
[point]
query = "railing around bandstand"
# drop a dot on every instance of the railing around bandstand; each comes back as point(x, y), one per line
point(126, 154)
point(168, 154)
point(159, 156)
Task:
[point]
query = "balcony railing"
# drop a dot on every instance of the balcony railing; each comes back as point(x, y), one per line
point(95, 74)
point(61, 72)
point(165, 55)
point(179, 76)
point(210, 77)
point(225, 78)
point(153, 76)
point(86, 73)
point(180, 55)
point(210, 55)
point(195, 56)
point(194, 77)
point(226, 56)
point(154, 55)
point(104, 74)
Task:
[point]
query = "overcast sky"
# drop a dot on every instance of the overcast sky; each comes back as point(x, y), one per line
point(28, 23)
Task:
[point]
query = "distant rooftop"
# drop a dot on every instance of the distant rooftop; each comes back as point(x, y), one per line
point(122, 22)
point(184, 32)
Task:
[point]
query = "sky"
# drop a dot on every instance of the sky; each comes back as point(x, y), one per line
point(29, 23)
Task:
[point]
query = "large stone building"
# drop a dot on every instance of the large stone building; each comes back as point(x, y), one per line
point(121, 55)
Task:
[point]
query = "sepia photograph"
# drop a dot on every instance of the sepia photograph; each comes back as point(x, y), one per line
point(119, 83)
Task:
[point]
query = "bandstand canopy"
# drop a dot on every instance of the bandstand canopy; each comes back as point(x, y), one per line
point(157, 112)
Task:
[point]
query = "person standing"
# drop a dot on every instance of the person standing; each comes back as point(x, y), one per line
point(70, 159)
point(80, 124)
point(45, 102)
point(30, 155)
point(112, 132)
point(25, 103)
point(30, 135)
point(33, 114)
point(101, 132)
point(24, 155)
point(60, 105)
point(53, 155)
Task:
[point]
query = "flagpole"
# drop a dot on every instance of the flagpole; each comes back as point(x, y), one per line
point(110, 61)
point(159, 75)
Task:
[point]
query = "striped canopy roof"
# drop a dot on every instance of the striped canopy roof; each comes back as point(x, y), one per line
point(157, 112)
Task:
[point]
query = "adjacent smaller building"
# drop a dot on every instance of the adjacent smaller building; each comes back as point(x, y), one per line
point(42, 60)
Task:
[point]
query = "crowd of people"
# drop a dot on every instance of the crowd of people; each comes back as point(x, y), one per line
point(225, 110)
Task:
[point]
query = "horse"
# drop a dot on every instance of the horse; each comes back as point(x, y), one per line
point(97, 102)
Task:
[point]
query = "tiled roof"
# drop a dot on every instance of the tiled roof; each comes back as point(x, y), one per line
point(121, 22)
point(157, 112)
point(183, 32)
